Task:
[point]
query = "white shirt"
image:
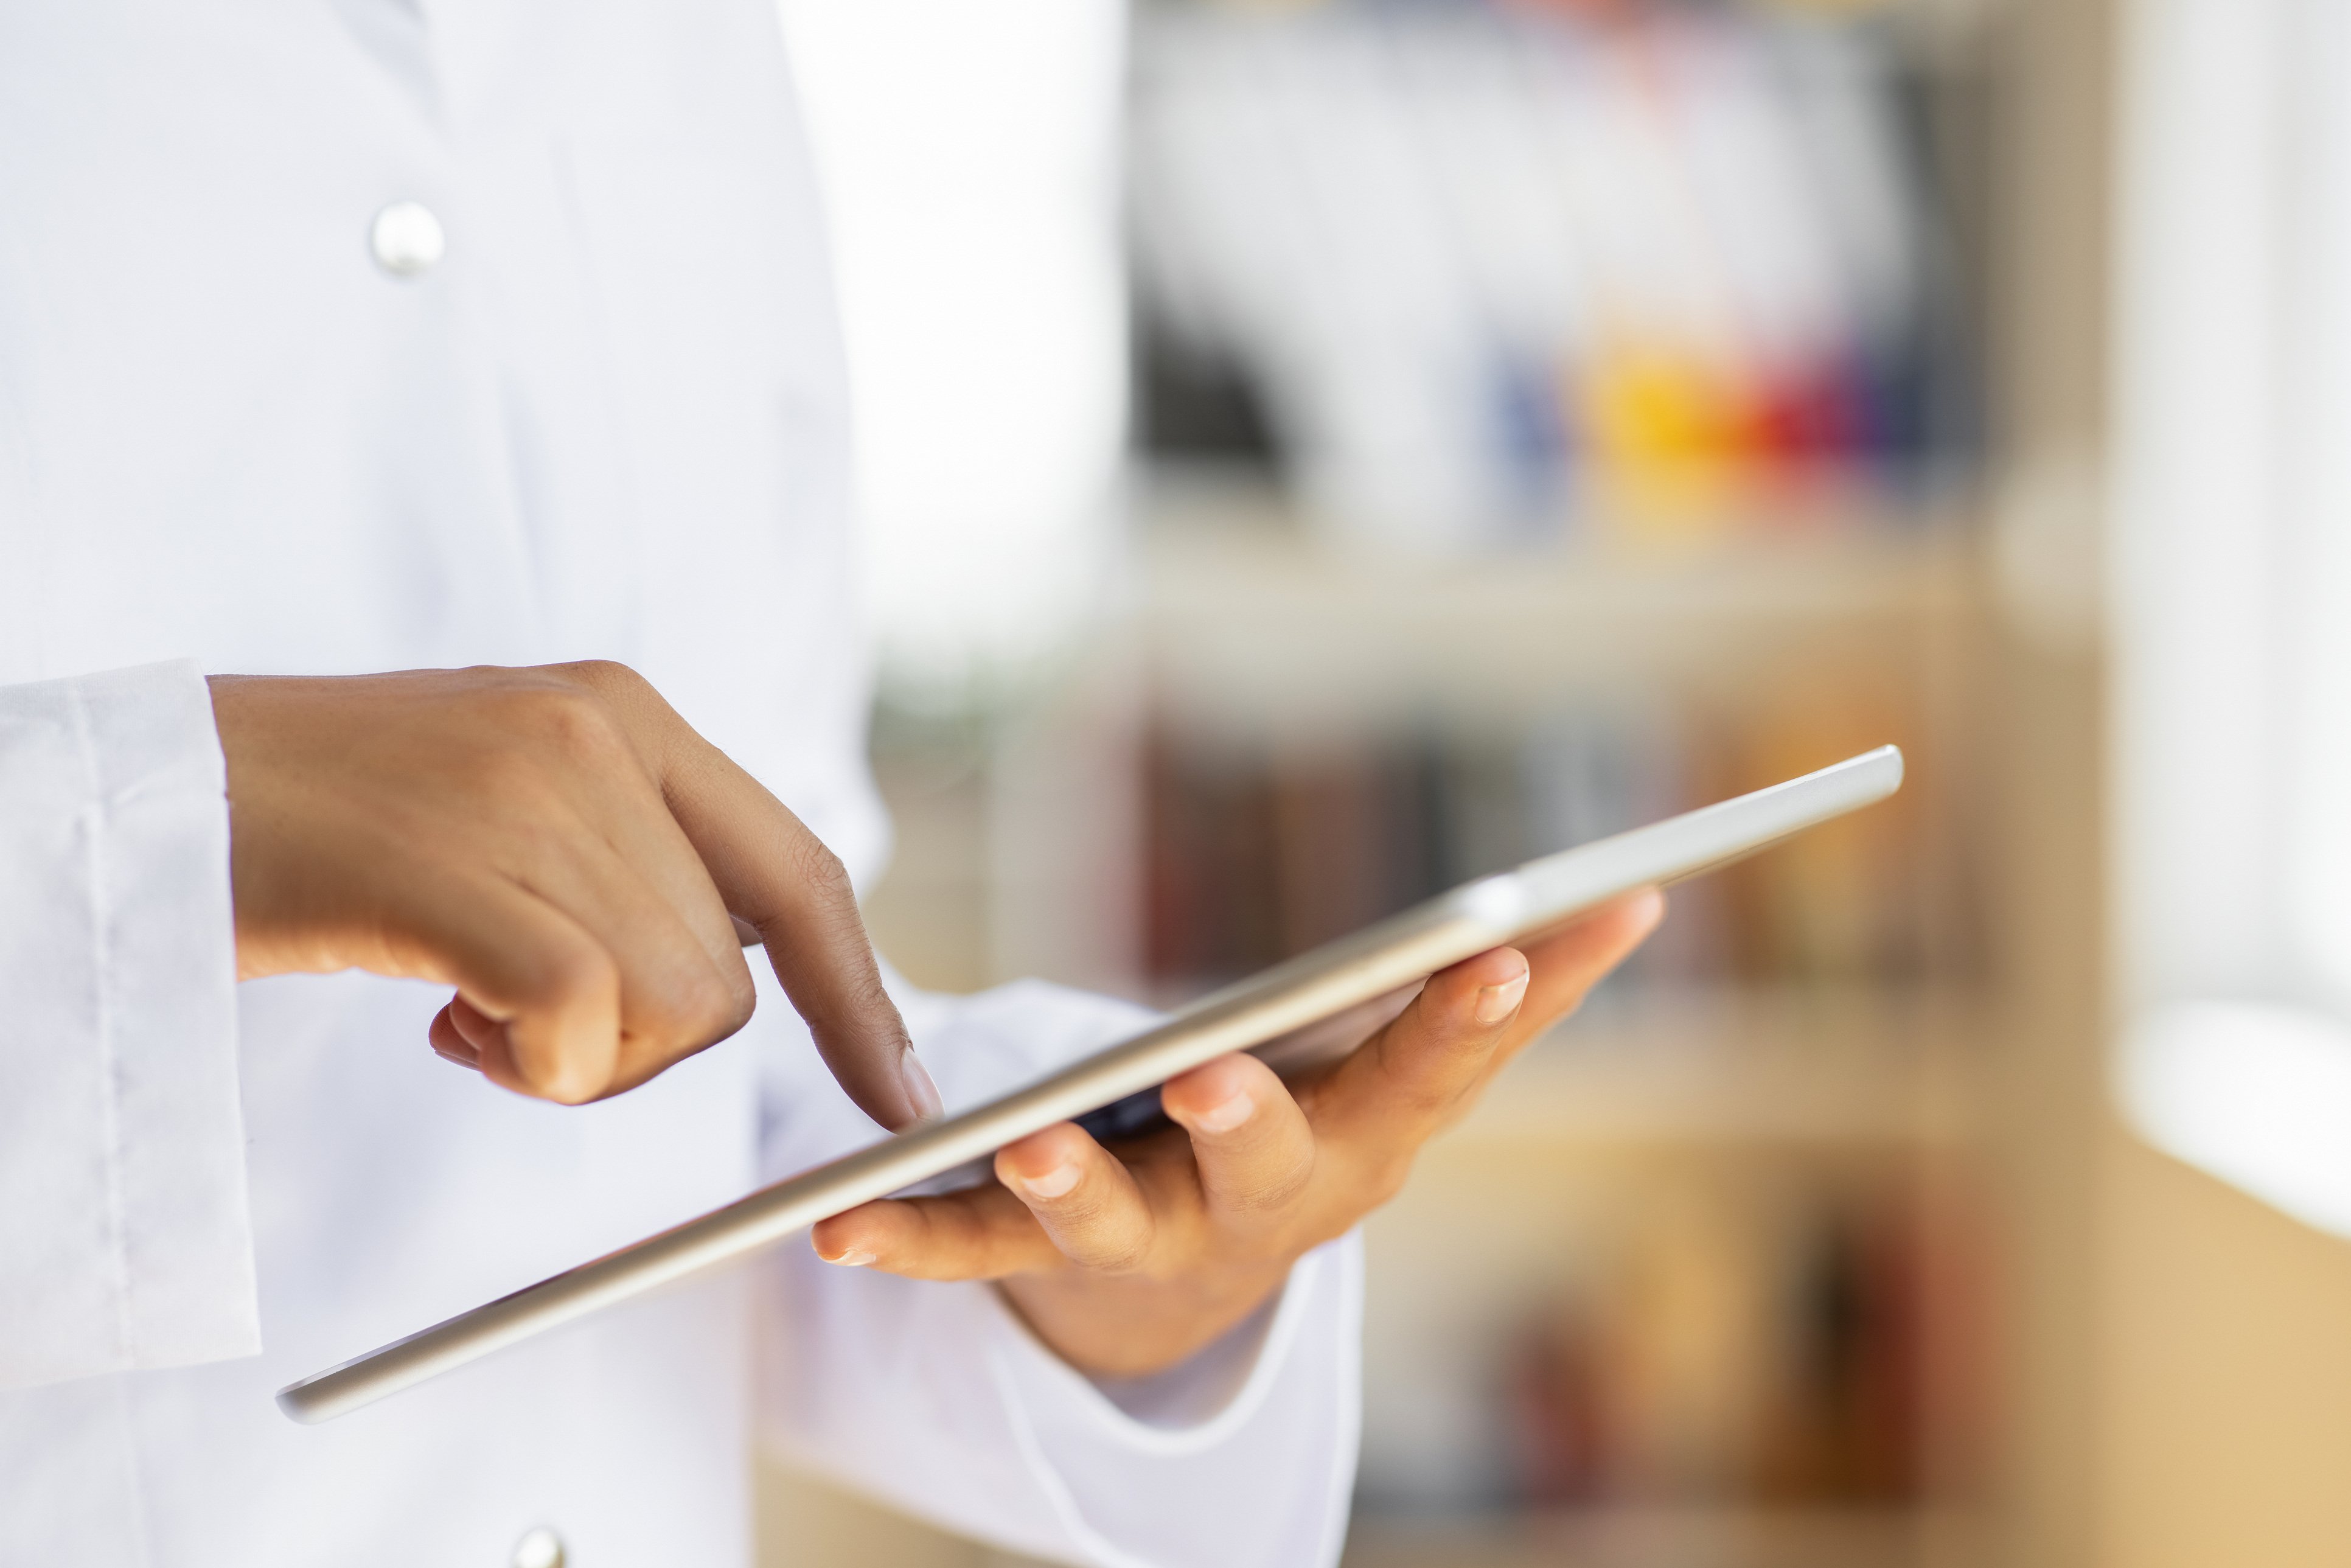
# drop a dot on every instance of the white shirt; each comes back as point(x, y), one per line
point(607, 421)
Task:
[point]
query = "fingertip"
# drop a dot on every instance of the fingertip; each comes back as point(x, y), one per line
point(470, 1024)
point(1497, 1003)
point(874, 1061)
point(1218, 1096)
point(921, 1089)
point(1495, 967)
point(1647, 910)
point(1044, 1148)
point(841, 1240)
point(1045, 1164)
point(450, 1043)
point(1473, 978)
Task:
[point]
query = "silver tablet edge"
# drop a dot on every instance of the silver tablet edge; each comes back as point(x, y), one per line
point(1357, 968)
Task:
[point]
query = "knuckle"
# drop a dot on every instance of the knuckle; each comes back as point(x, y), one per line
point(575, 722)
point(529, 740)
point(1119, 1256)
point(630, 702)
point(1428, 1089)
point(821, 870)
point(560, 1071)
point(715, 1009)
point(575, 972)
point(1110, 1241)
point(1097, 1233)
point(740, 999)
point(675, 1011)
point(608, 675)
point(1274, 1192)
point(567, 1088)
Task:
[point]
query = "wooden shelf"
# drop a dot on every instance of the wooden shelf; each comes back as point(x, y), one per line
point(1243, 622)
point(1641, 1537)
point(1848, 1066)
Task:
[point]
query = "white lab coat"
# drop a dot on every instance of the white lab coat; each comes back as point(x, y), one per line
point(608, 423)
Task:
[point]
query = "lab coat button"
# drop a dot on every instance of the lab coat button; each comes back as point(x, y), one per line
point(542, 1548)
point(407, 238)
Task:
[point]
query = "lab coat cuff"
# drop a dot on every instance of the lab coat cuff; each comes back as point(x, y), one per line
point(1267, 1419)
point(127, 1241)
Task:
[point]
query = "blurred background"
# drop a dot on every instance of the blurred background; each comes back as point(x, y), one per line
point(1315, 453)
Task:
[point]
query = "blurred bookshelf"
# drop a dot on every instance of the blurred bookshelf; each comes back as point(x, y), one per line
point(1764, 1138)
point(1772, 1254)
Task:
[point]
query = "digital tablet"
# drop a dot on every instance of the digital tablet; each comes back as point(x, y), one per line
point(1309, 1010)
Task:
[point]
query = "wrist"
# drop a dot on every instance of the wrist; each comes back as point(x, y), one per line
point(1125, 1327)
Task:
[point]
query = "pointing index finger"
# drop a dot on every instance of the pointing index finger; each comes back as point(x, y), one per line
point(776, 877)
point(782, 882)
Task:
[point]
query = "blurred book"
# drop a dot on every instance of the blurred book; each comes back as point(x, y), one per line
point(1466, 270)
point(1732, 1350)
point(1256, 851)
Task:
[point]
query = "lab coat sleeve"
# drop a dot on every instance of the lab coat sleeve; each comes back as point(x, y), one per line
point(937, 1400)
point(124, 1237)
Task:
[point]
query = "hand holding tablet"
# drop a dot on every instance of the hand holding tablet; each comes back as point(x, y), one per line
point(1126, 1260)
point(1298, 1016)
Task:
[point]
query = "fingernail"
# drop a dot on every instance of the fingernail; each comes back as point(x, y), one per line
point(852, 1258)
point(1054, 1182)
point(921, 1091)
point(1224, 1118)
point(1496, 1003)
point(1653, 909)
